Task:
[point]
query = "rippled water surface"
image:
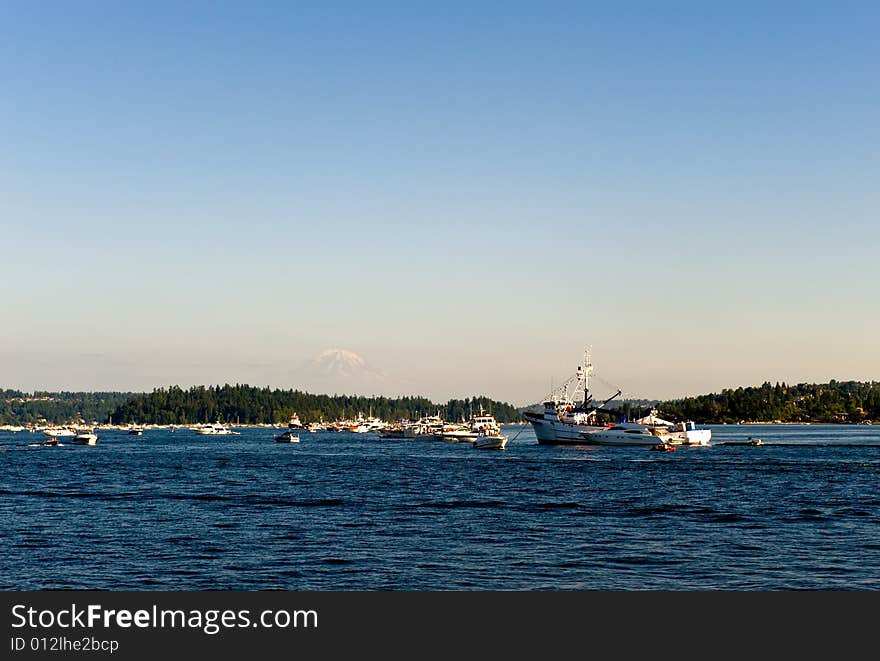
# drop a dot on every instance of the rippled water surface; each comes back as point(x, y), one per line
point(179, 511)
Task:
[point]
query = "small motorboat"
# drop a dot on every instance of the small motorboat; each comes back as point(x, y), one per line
point(216, 428)
point(287, 437)
point(490, 441)
point(662, 447)
point(749, 441)
point(52, 442)
point(86, 438)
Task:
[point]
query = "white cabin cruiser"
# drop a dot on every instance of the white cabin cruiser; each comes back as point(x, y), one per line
point(215, 429)
point(490, 440)
point(86, 437)
point(651, 430)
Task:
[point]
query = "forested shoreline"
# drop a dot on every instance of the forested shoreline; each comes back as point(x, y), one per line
point(833, 402)
point(243, 404)
point(232, 404)
point(31, 408)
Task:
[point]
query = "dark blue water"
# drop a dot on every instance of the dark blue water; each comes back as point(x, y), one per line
point(179, 511)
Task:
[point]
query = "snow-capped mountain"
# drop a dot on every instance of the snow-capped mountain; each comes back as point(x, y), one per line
point(340, 370)
point(340, 362)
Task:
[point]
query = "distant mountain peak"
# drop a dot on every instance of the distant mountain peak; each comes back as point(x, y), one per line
point(341, 362)
point(341, 370)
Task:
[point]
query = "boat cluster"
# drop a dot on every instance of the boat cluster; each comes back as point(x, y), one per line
point(570, 416)
point(76, 435)
point(482, 431)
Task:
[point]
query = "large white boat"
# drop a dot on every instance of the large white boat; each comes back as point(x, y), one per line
point(483, 424)
point(564, 420)
point(216, 428)
point(295, 422)
point(651, 430)
point(59, 432)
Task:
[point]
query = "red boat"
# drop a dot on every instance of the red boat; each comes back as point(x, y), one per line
point(667, 447)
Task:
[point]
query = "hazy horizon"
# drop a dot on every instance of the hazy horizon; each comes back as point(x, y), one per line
point(316, 378)
point(463, 196)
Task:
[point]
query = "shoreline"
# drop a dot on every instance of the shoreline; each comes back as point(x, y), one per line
point(16, 429)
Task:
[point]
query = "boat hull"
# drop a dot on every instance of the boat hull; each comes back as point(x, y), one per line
point(463, 437)
point(557, 432)
point(697, 437)
point(59, 433)
point(615, 437)
point(490, 442)
point(612, 438)
point(397, 433)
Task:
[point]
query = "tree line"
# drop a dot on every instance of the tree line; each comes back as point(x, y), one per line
point(244, 404)
point(21, 408)
point(836, 401)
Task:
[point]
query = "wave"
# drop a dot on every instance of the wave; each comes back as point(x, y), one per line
point(199, 497)
point(41, 493)
point(455, 504)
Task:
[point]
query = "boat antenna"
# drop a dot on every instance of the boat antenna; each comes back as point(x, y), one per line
point(587, 371)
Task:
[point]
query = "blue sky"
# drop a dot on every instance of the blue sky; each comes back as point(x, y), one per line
point(465, 194)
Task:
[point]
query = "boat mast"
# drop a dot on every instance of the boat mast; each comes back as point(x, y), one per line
point(586, 372)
